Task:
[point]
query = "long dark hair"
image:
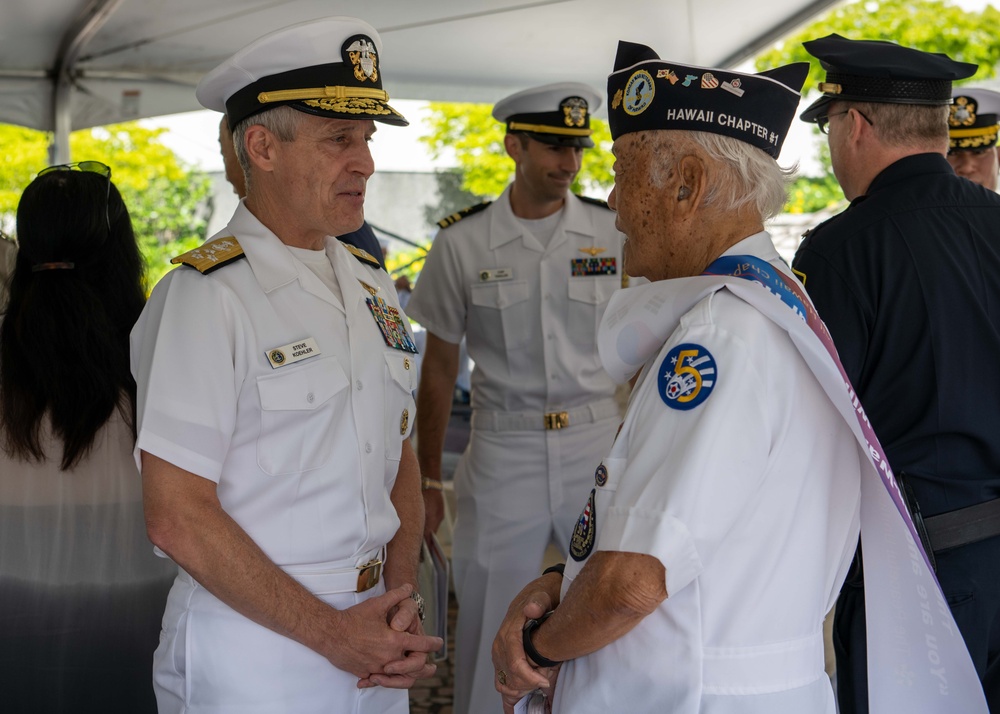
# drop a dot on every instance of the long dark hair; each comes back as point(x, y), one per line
point(64, 346)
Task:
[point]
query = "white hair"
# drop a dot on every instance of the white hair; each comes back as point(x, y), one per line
point(281, 121)
point(745, 175)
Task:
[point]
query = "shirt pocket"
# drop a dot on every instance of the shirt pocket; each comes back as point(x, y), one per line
point(400, 409)
point(588, 298)
point(298, 408)
point(499, 313)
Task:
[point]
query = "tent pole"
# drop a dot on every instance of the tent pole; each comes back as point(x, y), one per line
point(83, 29)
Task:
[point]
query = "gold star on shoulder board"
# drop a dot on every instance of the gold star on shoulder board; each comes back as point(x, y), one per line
point(592, 252)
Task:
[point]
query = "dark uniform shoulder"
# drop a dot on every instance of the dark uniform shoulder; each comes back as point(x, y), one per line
point(594, 201)
point(464, 213)
point(211, 255)
point(363, 255)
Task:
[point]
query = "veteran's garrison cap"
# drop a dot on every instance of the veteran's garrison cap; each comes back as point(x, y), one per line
point(881, 72)
point(557, 114)
point(329, 67)
point(647, 93)
point(972, 123)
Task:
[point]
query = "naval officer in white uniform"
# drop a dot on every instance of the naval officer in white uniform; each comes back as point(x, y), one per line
point(718, 528)
point(525, 279)
point(275, 375)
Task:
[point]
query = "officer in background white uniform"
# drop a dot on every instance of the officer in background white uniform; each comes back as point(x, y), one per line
point(525, 280)
point(972, 135)
point(721, 523)
point(274, 379)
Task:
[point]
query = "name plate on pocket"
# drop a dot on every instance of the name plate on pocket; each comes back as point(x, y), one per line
point(292, 353)
point(489, 276)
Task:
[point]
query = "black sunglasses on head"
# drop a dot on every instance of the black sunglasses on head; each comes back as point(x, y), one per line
point(93, 167)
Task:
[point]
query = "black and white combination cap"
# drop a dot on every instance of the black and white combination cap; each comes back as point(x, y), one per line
point(647, 93)
point(972, 122)
point(557, 114)
point(328, 67)
point(881, 72)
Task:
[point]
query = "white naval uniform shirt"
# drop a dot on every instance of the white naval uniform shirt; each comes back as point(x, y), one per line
point(532, 332)
point(750, 500)
point(305, 455)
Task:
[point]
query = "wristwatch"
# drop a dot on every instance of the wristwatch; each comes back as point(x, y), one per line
point(419, 599)
point(529, 648)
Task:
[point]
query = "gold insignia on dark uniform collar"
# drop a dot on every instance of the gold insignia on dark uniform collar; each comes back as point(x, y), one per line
point(363, 255)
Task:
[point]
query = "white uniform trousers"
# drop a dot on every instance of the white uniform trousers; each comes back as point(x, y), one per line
point(212, 660)
point(517, 491)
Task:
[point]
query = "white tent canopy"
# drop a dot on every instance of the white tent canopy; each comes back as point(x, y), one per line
point(81, 63)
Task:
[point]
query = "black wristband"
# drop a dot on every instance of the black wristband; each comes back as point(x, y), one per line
point(529, 649)
point(558, 568)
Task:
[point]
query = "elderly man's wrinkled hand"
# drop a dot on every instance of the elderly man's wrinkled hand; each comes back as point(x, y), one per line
point(514, 674)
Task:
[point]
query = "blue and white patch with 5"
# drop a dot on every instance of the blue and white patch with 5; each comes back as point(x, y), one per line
point(687, 376)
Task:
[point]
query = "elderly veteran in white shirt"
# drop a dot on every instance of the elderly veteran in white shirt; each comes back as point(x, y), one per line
point(723, 520)
point(275, 375)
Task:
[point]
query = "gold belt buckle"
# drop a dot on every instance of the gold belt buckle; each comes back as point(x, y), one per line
point(369, 574)
point(556, 420)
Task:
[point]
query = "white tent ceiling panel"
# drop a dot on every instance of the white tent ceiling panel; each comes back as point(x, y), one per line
point(146, 56)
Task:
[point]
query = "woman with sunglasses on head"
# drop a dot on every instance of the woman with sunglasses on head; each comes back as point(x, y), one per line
point(81, 592)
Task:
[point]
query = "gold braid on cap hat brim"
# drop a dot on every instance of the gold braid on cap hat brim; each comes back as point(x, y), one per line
point(546, 129)
point(337, 92)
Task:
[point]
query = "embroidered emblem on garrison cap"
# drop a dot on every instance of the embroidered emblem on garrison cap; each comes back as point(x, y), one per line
point(601, 475)
point(585, 531)
point(638, 92)
point(687, 376)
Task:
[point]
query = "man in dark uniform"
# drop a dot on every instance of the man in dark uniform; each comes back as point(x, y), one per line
point(972, 134)
point(908, 281)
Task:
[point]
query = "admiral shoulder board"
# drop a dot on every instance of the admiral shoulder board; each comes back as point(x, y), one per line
point(212, 255)
point(594, 201)
point(363, 255)
point(456, 217)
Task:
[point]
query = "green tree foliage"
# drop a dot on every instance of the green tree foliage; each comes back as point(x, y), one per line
point(165, 198)
point(929, 25)
point(476, 138)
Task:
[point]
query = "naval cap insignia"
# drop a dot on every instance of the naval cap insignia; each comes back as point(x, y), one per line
point(962, 112)
point(574, 111)
point(360, 50)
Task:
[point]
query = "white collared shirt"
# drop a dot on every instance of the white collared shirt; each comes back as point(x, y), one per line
point(750, 501)
point(304, 454)
point(530, 324)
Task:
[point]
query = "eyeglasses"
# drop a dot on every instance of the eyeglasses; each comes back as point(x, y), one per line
point(824, 122)
point(93, 167)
